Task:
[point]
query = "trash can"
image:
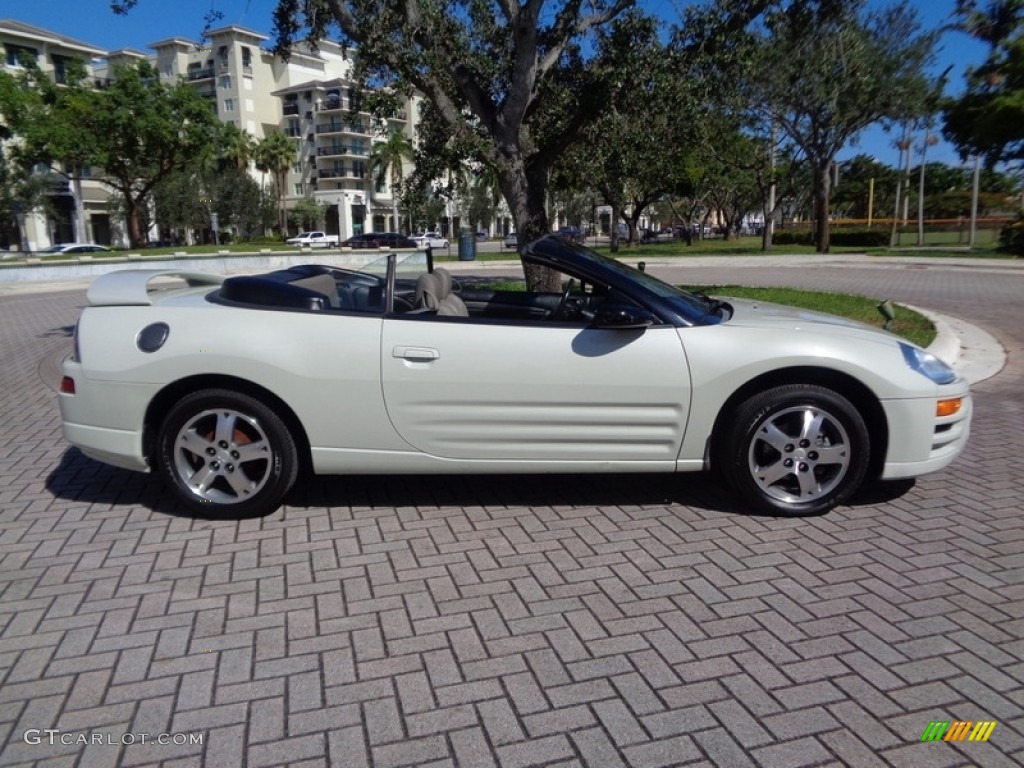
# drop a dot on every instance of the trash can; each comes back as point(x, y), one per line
point(467, 246)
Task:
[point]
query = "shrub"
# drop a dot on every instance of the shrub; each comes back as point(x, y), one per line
point(1011, 237)
point(792, 237)
point(847, 238)
point(262, 240)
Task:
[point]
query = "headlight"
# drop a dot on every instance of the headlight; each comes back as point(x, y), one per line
point(927, 364)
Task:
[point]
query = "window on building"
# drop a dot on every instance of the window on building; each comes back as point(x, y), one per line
point(300, 189)
point(246, 57)
point(358, 169)
point(229, 105)
point(18, 53)
point(225, 81)
point(297, 168)
point(294, 128)
point(60, 68)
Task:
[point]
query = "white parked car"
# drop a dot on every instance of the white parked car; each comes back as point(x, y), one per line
point(315, 240)
point(226, 386)
point(74, 248)
point(431, 240)
point(511, 240)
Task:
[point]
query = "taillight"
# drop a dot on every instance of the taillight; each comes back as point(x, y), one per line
point(67, 386)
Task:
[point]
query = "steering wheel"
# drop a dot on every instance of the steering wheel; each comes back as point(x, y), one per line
point(564, 300)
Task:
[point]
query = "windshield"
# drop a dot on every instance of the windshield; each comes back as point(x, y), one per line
point(698, 308)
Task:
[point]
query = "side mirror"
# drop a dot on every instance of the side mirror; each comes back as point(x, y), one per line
point(623, 317)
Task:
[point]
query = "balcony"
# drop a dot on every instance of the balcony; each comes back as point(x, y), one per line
point(331, 105)
point(340, 174)
point(337, 149)
point(290, 109)
point(339, 127)
point(200, 74)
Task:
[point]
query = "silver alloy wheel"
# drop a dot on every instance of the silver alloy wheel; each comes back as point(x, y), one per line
point(799, 454)
point(222, 456)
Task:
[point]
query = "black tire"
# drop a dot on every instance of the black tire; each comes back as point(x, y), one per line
point(244, 471)
point(795, 450)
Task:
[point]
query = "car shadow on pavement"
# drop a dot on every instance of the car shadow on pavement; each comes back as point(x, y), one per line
point(80, 479)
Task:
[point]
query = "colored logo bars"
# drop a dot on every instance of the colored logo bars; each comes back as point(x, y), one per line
point(958, 730)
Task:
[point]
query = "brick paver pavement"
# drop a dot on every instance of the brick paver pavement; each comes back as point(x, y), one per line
point(602, 621)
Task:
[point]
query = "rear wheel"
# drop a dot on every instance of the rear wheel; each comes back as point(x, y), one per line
point(224, 452)
point(795, 450)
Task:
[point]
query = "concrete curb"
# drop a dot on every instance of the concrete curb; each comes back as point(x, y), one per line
point(973, 352)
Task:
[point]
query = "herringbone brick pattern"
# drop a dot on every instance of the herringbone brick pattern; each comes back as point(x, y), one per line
point(480, 621)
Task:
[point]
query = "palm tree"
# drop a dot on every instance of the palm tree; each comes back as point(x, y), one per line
point(388, 156)
point(237, 145)
point(276, 154)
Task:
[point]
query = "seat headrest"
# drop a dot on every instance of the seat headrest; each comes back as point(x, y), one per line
point(428, 291)
point(445, 279)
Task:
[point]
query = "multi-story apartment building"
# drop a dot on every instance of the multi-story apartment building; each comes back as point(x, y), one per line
point(309, 97)
point(53, 53)
point(335, 139)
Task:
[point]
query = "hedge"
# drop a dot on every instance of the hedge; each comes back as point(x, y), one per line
point(1011, 237)
point(849, 238)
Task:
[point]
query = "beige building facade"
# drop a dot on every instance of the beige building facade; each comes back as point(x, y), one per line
point(309, 98)
point(77, 203)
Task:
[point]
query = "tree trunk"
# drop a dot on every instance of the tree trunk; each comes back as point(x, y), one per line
point(81, 235)
point(822, 189)
point(613, 226)
point(768, 222)
point(523, 188)
point(395, 179)
point(135, 234)
point(282, 216)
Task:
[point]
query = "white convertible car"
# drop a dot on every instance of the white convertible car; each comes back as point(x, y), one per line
point(226, 386)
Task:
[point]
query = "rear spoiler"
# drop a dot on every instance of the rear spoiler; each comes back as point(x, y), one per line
point(130, 287)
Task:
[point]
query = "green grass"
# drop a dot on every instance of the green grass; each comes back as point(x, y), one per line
point(909, 324)
point(751, 246)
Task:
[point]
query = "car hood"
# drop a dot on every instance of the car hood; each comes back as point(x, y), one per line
point(760, 314)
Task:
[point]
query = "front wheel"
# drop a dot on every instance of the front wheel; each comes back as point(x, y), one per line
point(795, 450)
point(224, 452)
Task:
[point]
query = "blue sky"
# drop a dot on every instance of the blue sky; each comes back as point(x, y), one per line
point(93, 22)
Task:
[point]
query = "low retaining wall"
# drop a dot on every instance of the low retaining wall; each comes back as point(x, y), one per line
point(219, 263)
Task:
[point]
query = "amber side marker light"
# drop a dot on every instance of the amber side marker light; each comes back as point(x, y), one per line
point(948, 407)
point(67, 386)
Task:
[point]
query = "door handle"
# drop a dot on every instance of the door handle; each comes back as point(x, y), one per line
point(416, 354)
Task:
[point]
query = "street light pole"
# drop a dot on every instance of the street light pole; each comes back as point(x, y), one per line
point(974, 200)
point(903, 145)
point(929, 141)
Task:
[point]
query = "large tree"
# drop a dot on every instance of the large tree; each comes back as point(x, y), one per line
point(988, 119)
point(637, 151)
point(41, 113)
point(131, 133)
point(276, 154)
point(824, 70)
point(509, 80)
